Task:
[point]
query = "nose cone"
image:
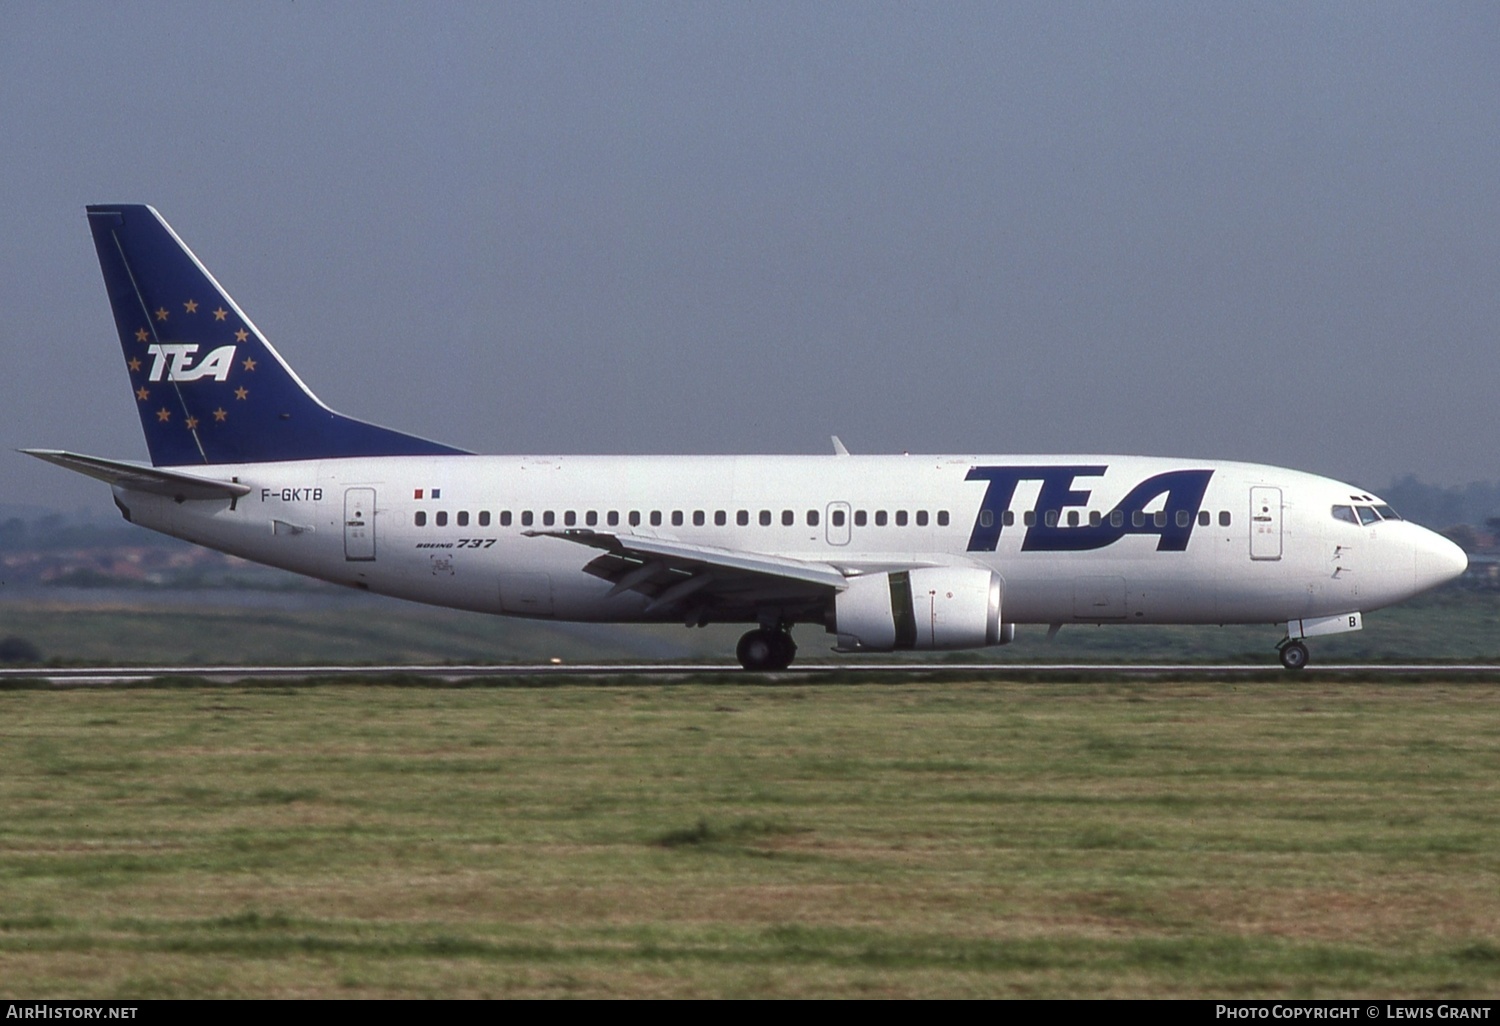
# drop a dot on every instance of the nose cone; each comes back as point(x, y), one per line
point(1437, 561)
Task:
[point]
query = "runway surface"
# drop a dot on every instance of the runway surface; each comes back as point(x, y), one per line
point(103, 676)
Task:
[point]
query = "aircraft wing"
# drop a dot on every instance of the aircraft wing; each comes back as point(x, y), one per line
point(141, 478)
point(702, 578)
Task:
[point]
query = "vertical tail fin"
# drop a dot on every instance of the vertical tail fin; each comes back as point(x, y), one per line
point(209, 387)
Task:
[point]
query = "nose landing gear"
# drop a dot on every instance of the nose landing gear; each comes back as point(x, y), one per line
point(766, 648)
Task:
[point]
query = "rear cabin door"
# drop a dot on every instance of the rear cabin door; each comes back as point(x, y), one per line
point(1265, 523)
point(359, 524)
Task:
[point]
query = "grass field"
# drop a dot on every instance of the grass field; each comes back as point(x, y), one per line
point(979, 839)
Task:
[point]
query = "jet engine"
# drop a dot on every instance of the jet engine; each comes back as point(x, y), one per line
point(932, 607)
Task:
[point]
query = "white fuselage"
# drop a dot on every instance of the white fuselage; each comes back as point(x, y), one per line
point(1260, 545)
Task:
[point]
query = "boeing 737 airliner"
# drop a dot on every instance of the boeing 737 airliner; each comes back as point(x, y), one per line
point(884, 552)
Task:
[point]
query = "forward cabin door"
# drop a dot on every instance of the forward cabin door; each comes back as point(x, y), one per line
point(359, 524)
point(1265, 523)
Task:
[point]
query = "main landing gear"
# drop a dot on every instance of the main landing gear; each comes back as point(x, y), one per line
point(766, 648)
point(1293, 654)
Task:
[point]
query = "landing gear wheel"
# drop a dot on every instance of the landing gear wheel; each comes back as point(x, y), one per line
point(1294, 655)
point(786, 649)
point(766, 649)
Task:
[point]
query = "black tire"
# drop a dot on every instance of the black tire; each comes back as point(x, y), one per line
point(766, 650)
point(1294, 655)
point(786, 650)
point(757, 650)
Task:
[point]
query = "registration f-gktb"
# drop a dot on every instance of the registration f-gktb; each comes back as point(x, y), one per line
point(883, 552)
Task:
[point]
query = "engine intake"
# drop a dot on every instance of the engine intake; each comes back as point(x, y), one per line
point(932, 607)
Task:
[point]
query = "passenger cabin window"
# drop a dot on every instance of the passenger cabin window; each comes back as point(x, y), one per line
point(421, 518)
point(1008, 518)
point(1138, 519)
point(742, 518)
point(838, 518)
point(591, 518)
point(765, 518)
point(1184, 518)
point(1117, 518)
point(612, 518)
point(1203, 518)
point(677, 518)
point(942, 518)
point(484, 518)
point(463, 518)
point(1159, 518)
point(635, 518)
point(1072, 518)
point(788, 518)
point(442, 518)
point(505, 518)
point(699, 518)
point(900, 518)
point(1029, 519)
point(921, 518)
point(812, 518)
point(1051, 518)
point(526, 518)
point(570, 519)
point(880, 518)
point(860, 518)
point(549, 518)
point(1223, 518)
point(656, 518)
point(720, 518)
point(986, 518)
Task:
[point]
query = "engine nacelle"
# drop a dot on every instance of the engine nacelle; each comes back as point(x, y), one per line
point(932, 607)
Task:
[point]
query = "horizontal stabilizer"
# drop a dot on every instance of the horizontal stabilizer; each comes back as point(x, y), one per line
point(141, 478)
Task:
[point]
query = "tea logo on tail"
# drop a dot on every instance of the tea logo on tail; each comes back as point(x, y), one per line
point(175, 359)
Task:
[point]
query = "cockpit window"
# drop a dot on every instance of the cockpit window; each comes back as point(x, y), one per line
point(1386, 513)
point(1345, 513)
point(1366, 514)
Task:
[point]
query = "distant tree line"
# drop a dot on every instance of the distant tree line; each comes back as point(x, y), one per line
point(1476, 504)
point(52, 531)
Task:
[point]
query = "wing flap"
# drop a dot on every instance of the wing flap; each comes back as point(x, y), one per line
point(641, 550)
point(706, 581)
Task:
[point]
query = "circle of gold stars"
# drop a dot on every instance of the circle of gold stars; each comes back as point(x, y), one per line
point(144, 335)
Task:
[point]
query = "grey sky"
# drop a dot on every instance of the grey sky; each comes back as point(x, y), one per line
point(1253, 231)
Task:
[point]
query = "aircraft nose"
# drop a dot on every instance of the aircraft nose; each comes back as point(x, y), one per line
point(1438, 560)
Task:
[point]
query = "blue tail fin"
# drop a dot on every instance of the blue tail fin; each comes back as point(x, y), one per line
point(209, 387)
